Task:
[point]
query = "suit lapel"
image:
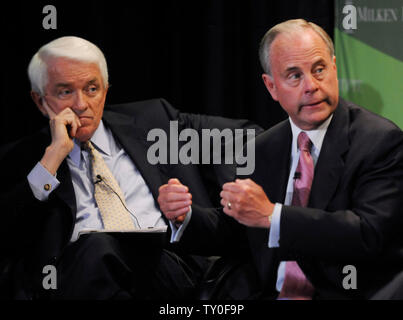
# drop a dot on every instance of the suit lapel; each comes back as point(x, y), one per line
point(280, 171)
point(272, 175)
point(133, 139)
point(273, 162)
point(330, 165)
point(65, 191)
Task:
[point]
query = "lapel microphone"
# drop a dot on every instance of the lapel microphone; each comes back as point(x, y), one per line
point(99, 179)
point(297, 175)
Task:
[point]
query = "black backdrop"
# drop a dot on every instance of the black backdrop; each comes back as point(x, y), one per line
point(200, 55)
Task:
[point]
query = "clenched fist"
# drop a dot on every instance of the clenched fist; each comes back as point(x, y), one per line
point(174, 200)
point(246, 202)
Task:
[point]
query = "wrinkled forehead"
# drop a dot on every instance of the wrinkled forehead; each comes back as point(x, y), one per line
point(300, 39)
point(68, 70)
point(298, 47)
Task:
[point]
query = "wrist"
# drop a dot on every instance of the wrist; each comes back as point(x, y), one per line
point(52, 159)
point(179, 220)
point(271, 211)
point(62, 148)
point(269, 218)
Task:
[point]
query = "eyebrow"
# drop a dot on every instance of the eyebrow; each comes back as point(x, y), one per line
point(290, 69)
point(93, 81)
point(320, 61)
point(293, 68)
point(60, 85)
point(67, 84)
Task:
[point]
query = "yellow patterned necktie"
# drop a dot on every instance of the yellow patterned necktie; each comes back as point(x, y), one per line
point(108, 195)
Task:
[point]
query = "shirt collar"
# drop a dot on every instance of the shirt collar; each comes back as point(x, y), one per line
point(317, 135)
point(75, 154)
point(99, 139)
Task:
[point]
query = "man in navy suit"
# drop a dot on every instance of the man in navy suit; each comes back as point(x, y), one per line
point(47, 194)
point(352, 217)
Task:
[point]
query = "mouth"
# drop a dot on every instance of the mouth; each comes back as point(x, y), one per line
point(85, 120)
point(312, 105)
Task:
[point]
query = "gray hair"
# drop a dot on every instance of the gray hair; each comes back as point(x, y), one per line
point(73, 48)
point(288, 26)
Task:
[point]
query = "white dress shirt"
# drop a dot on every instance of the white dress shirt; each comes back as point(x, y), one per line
point(316, 137)
point(139, 199)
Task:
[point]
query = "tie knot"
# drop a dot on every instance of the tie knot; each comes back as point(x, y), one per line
point(304, 143)
point(87, 145)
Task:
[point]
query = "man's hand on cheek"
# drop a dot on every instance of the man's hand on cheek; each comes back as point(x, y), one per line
point(63, 128)
point(63, 125)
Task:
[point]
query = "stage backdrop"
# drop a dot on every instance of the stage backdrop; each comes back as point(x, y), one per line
point(200, 55)
point(369, 54)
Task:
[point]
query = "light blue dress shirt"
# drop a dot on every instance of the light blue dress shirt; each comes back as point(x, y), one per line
point(139, 199)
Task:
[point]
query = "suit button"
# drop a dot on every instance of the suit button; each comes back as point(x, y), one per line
point(47, 187)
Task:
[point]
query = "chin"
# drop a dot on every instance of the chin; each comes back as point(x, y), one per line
point(317, 122)
point(84, 134)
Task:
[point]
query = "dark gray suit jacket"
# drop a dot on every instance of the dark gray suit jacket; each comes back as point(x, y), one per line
point(354, 216)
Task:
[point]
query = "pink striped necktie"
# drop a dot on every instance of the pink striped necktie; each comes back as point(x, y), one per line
point(296, 286)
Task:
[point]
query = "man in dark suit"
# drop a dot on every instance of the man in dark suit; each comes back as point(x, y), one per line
point(320, 217)
point(47, 194)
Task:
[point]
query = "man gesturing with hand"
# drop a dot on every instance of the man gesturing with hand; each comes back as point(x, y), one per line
point(326, 193)
point(242, 199)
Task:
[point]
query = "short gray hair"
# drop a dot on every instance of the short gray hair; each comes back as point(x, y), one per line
point(288, 26)
point(73, 48)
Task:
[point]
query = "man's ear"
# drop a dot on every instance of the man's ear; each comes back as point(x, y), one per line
point(271, 87)
point(334, 61)
point(39, 103)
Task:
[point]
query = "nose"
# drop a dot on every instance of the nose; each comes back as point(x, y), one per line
point(310, 84)
point(79, 103)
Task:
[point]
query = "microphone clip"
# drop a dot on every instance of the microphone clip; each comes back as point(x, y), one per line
point(98, 176)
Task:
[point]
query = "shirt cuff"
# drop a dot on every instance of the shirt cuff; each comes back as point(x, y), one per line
point(42, 182)
point(274, 233)
point(177, 232)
